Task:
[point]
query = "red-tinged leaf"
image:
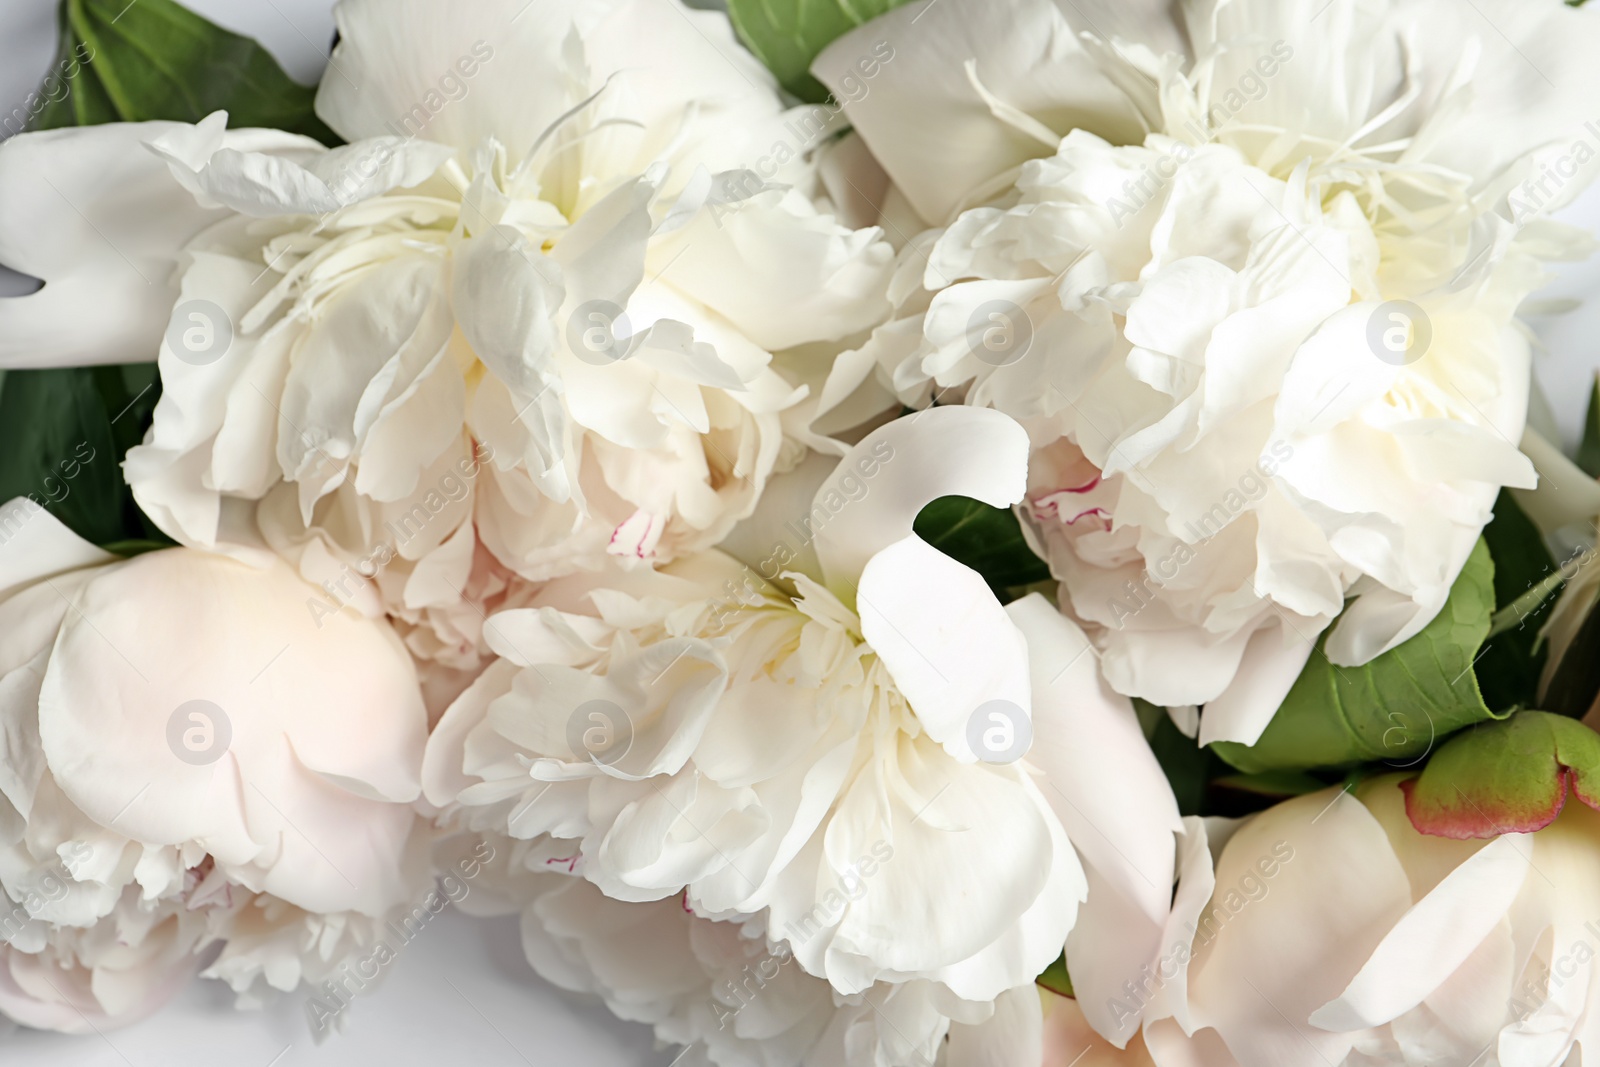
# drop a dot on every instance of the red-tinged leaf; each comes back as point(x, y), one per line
point(1512, 776)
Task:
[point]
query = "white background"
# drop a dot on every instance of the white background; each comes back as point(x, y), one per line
point(462, 991)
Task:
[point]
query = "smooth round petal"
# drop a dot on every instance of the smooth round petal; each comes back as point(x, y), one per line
point(1012, 1037)
point(1431, 940)
point(99, 219)
point(812, 286)
point(322, 719)
point(936, 131)
point(1100, 775)
point(1260, 968)
point(948, 644)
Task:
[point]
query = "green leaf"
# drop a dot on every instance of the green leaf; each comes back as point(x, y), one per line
point(1056, 979)
point(987, 539)
point(63, 433)
point(1510, 663)
point(73, 94)
point(1505, 777)
point(154, 59)
point(1393, 709)
point(787, 35)
point(1588, 458)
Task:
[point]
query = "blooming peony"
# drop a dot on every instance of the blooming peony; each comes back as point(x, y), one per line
point(537, 314)
point(1248, 272)
point(1331, 932)
point(804, 752)
point(733, 996)
point(187, 758)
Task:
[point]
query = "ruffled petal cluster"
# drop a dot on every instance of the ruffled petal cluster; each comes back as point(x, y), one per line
point(1249, 273)
point(188, 759)
point(833, 755)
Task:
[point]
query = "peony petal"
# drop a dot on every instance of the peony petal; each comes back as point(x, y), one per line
point(1100, 775)
point(411, 68)
point(34, 544)
point(1431, 940)
point(100, 220)
point(1265, 957)
point(1013, 1036)
point(945, 639)
point(934, 131)
point(1272, 661)
point(505, 293)
point(875, 493)
point(310, 799)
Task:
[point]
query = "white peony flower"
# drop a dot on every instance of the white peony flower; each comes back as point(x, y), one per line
point(722, 988)
point(1248, 272)
point(84, 979)
point(1327, 930)
point(186, 758)
point(801, 750)
point(532, 304)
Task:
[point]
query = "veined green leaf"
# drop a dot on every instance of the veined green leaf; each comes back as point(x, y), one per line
point(1394, 709)
point(155, 59)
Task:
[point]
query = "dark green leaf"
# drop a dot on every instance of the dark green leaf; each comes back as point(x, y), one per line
point(1510, 663)
point(989, 540)
point(1505, 777)
point(155, 59)
point(57, 449)
point(1393, 709)
point(72, 92)
point(787, 35)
